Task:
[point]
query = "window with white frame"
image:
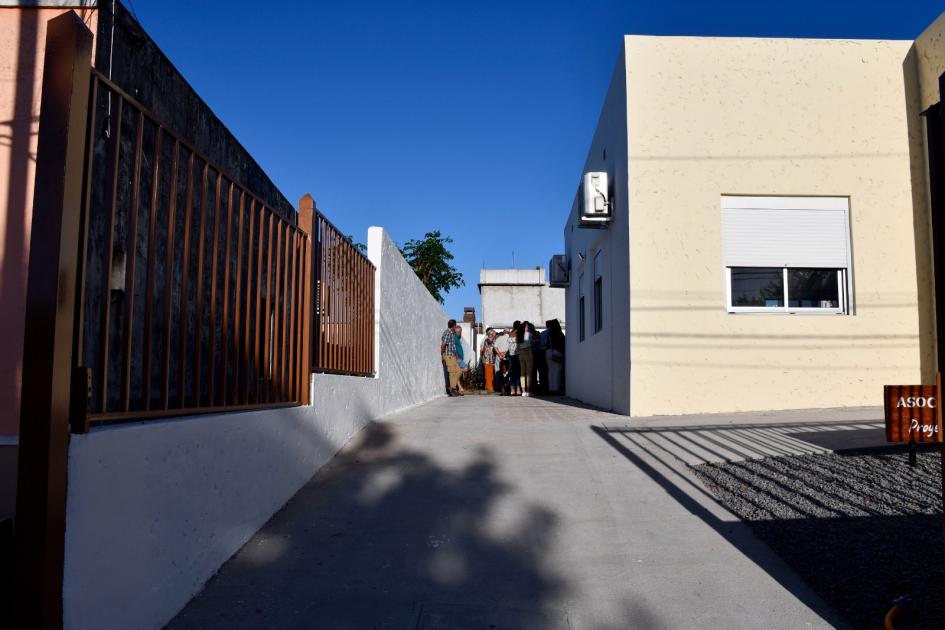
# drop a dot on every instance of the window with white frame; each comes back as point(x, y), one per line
point(787, 254)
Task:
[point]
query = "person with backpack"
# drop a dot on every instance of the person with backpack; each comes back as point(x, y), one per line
point(460, 356)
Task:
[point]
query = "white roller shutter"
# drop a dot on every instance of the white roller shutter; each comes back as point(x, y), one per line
point(786, 232)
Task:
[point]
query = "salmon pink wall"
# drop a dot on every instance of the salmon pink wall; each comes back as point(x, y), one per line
point(22, 42)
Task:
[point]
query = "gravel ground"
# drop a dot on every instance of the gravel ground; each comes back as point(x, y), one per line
point(860, 527)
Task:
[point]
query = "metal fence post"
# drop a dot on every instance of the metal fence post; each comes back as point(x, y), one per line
point(941, 428)
point(50, 323)
point(936, 175)
point(305, 222)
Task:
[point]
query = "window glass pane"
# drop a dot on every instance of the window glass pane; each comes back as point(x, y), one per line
point(598, 305)
point(813, 288)
point(581, 318)
point(757, 286)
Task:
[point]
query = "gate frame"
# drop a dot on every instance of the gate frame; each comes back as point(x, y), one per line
point(49, 381)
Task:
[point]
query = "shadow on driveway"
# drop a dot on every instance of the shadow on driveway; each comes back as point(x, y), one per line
point(689, 493)
point(385, 537)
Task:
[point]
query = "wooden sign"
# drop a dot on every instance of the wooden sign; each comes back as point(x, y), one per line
point(912, 413)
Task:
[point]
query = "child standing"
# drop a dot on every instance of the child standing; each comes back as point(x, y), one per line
point(503, 378)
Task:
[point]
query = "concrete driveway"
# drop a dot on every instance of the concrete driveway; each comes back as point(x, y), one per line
point(504, 513)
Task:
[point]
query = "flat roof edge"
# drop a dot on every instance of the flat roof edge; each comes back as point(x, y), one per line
point(770, 39)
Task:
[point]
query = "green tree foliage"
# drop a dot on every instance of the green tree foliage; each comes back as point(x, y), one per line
point(361, 246)
point(430, 260)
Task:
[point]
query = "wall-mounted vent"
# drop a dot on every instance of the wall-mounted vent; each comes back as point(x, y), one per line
point(558, 275)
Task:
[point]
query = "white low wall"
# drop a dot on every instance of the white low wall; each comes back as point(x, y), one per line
point(155, 508)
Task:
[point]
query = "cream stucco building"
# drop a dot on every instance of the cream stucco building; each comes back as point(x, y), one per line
point(770, 237)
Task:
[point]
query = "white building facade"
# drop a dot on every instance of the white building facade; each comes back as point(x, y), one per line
point(519, 294)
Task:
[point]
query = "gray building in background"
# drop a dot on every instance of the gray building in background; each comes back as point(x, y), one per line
point(518, 294)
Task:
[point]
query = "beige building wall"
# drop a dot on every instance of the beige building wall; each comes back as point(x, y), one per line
point(924, 64)
point(930, 62)
point(22, 44)
point(723, 116)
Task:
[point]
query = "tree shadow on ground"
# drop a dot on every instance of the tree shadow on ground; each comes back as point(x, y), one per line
point(385, 537)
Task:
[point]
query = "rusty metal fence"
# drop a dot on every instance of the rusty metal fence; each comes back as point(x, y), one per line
point(343, 334)
point(159, 285)
point(193, 292)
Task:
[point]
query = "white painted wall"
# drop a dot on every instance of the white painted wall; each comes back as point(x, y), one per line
point(598, 368)
point(410, 325)
point(155, 508)
point(519, 294)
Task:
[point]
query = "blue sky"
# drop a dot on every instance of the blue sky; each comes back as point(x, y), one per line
point(468, 117)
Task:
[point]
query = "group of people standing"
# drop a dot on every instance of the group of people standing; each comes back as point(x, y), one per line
point(531, 362)
point(520, 361)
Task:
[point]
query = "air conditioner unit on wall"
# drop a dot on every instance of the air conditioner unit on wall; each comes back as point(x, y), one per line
point(558, 275)
point(596, 199)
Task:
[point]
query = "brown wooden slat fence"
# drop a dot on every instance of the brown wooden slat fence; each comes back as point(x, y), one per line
point(194, 293)
point(343, 334)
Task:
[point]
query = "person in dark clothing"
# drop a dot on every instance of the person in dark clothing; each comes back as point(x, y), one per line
point(503, 378)
point(515, 336)
point(554, 355)
point(541, 363)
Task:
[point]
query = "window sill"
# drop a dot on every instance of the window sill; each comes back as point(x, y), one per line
point(801, 312)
